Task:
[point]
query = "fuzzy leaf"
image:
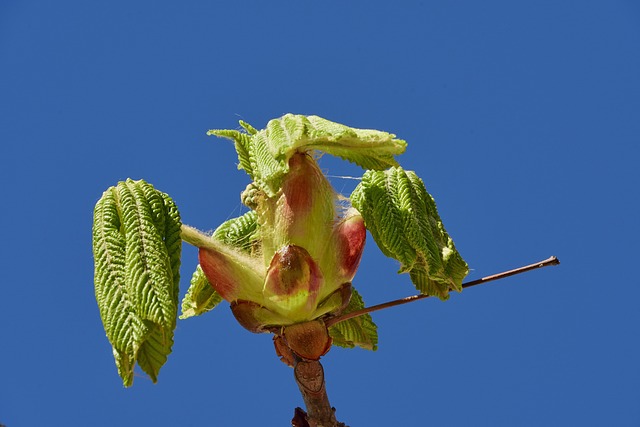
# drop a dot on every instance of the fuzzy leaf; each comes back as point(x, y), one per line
point(254, 157)
point(359, 331)
point(240, 232)
point(201, 297)
point(242, 142)
point(265, 154)
point(404, 222)
point(136, 247)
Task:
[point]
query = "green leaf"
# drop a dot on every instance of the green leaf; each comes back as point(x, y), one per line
point(359, 331)
point(404, 222)
point(136, 248)
point(369, 149)
point(240, 232)
point(242, 142)
point(201, 297)
point(265, 154)
point(250, 129)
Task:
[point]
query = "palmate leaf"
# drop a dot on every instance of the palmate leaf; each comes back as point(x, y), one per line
point(241, 233)
point(359, 331)
point(404, 222)
point(264, 154)
point(136, 248)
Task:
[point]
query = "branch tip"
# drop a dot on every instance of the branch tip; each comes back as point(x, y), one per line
point(544, 263)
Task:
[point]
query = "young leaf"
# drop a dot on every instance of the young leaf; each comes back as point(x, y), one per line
point(369, 149)
point(136, 247)
point(240, 232)
point(265, 154)
point(242, 142)
point(404, 222)
point(201, 297)
point(359, 331)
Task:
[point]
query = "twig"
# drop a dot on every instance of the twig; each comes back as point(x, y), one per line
point(309, 376)
point(549, 261)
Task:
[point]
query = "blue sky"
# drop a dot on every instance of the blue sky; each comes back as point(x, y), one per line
point(522, 118)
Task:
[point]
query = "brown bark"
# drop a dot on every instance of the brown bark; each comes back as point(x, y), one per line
point(309, 376)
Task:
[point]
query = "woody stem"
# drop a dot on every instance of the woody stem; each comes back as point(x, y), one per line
point(549, 261)
point(309, 376)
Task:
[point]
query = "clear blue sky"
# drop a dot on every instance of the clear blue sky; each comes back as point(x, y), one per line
point(523, 119)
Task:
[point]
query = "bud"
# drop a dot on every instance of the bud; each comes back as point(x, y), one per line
point(350, 236)
point(309, 340)
point(232, 274)
point(342, 257)
point(254, 317)
point(309, 255)
point(283, 351)
point(292, 283)
point(301, 213)
point(335, 303)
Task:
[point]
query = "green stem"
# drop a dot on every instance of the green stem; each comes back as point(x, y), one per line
point(195, 237)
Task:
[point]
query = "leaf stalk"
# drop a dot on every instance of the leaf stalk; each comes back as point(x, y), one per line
point(195, 237)
point(544, 263)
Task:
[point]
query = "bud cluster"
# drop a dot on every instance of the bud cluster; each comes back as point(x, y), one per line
point(309, 254)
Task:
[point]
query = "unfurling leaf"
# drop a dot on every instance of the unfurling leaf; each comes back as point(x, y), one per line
point(201, 297)
point(136, 248)
point(403, 220)
point(358, 331)
point(240, 232)
point(264, 154)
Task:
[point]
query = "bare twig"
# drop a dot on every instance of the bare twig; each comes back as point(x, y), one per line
point(549, 261)
point(309, 375)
